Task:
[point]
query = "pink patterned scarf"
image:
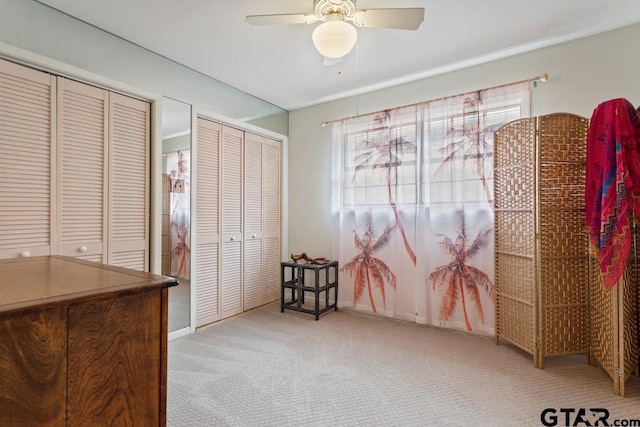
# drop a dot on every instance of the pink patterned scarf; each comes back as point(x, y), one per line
point(612, 188)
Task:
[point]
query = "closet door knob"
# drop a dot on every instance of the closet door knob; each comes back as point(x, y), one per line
point(254, 236)
point(83, 249)
point(25, 254)
point(232, 238)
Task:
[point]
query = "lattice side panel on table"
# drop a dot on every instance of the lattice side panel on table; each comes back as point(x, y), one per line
point(514, 228)
point(563, 256)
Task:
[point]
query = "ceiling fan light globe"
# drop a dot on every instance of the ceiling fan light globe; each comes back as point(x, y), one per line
point(334, 39)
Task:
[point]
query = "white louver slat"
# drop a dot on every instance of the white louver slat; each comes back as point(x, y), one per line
point(253, 287)
point(232, 218)
point(253, 183)
point(135, 260)
point(272, 188)
point(207, 285)
point(55, 140)
point(231, 280)
point(207, 218)
point(129, 120)
point(231, 181)
point(272, 248)
point(237, 187)
point(27, 106)
point(82, 144)
point(272, 268)
point(207, 163)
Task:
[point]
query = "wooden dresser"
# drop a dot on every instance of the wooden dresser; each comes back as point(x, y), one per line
point(81, 344)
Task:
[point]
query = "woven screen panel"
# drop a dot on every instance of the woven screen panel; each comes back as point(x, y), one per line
point(614, 331)
point(562, 181)
point(562, 233)
point(603, 322)
point(629, 334)
point(518, 329)
point(515, 232)
point(563, 257)
point(514, 228)
point(541, 246)
point(569, 131)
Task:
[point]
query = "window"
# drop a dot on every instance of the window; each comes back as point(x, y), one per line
point(431, 153)
point(380, 159)
point(412, 187)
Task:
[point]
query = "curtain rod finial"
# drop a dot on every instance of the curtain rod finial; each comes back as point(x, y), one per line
point(542, 78)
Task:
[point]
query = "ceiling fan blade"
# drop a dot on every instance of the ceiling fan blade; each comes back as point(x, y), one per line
point(400, 19)
point(293, 18)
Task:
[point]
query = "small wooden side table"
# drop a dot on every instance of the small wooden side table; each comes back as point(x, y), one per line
point(325, 278)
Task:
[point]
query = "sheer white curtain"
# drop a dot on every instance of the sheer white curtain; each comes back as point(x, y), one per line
point(412, 208)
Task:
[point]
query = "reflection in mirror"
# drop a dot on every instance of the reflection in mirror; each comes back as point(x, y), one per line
point(176, 203)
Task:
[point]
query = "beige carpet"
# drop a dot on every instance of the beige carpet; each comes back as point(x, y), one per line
point(266, 368)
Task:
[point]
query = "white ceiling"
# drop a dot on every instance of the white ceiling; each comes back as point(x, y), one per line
point(280, 65)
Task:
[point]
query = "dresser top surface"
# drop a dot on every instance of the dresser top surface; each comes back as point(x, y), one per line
point(29, 282)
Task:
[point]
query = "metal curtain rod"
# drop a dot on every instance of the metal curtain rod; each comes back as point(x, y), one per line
point(541, 78)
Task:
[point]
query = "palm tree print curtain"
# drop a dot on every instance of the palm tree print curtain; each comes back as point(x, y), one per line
point(412, 208)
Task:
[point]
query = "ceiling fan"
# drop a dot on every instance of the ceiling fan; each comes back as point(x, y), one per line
point(335, 37)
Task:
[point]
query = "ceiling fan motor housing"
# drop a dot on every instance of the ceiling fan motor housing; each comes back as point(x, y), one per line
point(324, 8)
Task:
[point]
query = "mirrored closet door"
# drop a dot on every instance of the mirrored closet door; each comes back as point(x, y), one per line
point(176, 204)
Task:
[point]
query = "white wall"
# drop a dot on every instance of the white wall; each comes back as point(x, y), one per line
point(582, 74)
point(39, 29)
point(41, 37)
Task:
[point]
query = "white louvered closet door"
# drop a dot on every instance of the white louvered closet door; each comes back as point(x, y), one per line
point(206, 152)
point(27, 105)
point(129, 137)
point(231, 196)
point(82, 163)
point(271, 228)
point(253, 281)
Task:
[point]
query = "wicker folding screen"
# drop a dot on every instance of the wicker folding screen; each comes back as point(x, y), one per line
point(614, 320)
point(541, 248)
point(614, 323)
